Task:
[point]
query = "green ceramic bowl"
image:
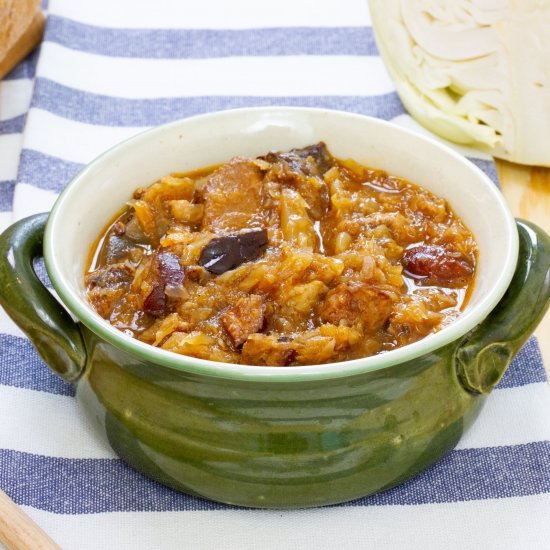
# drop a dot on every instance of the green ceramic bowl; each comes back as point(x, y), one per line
point(263, 436)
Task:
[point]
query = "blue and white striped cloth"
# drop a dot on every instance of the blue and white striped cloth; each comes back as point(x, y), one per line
point(105, 71)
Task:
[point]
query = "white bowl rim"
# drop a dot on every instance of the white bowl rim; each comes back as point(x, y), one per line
point(454, 331)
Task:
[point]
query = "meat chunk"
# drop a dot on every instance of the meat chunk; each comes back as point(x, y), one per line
point(353, 303)
point(110, 277)
point(314, 160)
point(246, 317)
point(106, 285)
point(435, 264)
point(169, 275)
point(319, 154)
point(303, 169)
point(117, 246)
point(232, 197)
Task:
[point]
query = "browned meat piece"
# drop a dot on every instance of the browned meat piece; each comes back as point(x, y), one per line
point(263, 350)
point(232, 197)
point(107, 284)
point(304, 168)
point(117, 248)
point(320, 155)
point(245, 318)
point(357, 303)
point(112, 276)
point(434, 264)
point(314, 160)
point(169, 281)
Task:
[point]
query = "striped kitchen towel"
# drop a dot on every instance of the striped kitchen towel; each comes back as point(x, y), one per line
point(105, 71)
point(15, 98)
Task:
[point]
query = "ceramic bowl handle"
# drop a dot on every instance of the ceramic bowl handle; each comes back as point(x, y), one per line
point(487, 351)
point(31, 306)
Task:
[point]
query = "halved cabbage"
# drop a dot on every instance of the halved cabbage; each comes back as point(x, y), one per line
point(475, 72)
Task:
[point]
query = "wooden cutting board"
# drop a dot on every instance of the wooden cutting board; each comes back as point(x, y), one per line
point(21, 28)
point(527, 190)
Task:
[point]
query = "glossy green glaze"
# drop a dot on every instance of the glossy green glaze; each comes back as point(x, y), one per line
point(40, 316)
point(278, 445)
point(282, 444)
point(489, 349)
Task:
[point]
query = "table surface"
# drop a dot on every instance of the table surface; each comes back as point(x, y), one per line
point(527, 190)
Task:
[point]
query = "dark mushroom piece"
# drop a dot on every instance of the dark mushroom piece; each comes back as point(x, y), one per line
point(225, 253)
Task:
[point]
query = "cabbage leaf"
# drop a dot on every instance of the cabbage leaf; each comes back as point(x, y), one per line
point(476, 72)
